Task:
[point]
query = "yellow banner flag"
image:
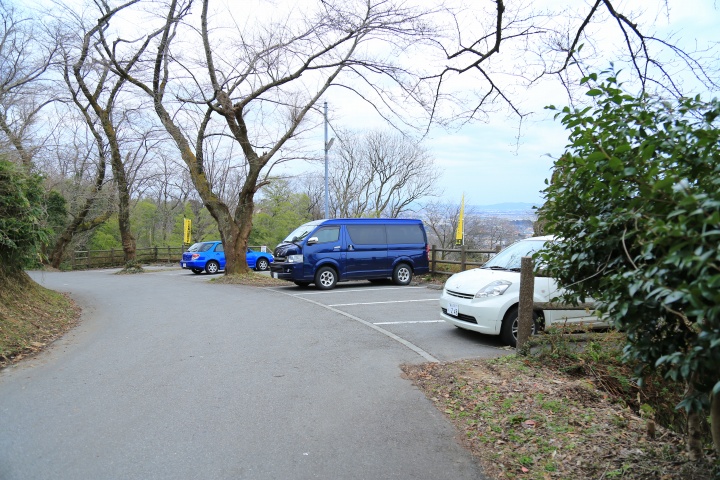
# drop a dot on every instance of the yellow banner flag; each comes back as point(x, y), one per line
point(187, 229)
point(460, 232)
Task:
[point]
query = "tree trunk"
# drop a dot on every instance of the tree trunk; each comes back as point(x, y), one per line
point(238, 244)
point(525, 307)
point(694, 440)
point(78, 224)
point(118, 168)
point(715, 421)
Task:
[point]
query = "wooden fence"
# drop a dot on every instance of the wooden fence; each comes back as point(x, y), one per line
point(443, 260)
point(82, 259)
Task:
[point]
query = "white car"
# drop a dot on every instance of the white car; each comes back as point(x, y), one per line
point(486, 299)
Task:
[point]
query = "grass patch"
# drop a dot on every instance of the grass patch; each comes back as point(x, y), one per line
point(31, 316)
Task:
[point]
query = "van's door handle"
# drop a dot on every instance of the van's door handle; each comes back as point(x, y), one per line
point(350, 248)
point(336, 248)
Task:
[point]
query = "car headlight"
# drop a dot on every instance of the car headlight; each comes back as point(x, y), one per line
point(294, 259)
point(493, 289)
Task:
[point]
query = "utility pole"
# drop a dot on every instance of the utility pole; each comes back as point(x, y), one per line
point(327, 147)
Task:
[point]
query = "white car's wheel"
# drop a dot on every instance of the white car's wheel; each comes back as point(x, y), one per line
point(509, 329)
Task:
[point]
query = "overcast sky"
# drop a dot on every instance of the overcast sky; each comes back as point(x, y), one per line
point(488, 162)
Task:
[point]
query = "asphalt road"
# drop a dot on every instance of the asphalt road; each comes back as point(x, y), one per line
point(170, 377)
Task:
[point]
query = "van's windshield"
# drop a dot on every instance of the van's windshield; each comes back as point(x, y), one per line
point(302, 231)
point(511, 257)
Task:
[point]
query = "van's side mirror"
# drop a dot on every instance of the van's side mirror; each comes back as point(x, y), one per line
point(312, 240)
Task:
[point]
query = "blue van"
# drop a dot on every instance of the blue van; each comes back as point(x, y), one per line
point(325, 252)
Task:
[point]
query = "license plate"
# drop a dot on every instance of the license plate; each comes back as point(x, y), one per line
point(184, 265)
point(452, 309)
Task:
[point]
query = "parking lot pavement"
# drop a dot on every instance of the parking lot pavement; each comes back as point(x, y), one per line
point(169, 377)
point(407, 314)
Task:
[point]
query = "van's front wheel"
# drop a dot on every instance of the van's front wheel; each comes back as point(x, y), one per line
point(402, 274)
point(325, 278)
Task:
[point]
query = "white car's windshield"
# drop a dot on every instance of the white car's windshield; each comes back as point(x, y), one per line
point(301, 232)
point(510, 258)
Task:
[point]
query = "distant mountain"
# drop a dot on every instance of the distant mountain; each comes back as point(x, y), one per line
point(505, 207)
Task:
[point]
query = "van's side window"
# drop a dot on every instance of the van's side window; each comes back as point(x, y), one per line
point(367, 234)
point(405, 234)
point(328, 234)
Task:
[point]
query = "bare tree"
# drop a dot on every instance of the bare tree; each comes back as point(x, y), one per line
point(255, 85)
point(441, 219)
point(313, 187)
point(256, 89)
point(489, 232)
point(24, 58)
point(96, 92)
point(80, 178)
point(379, 173)
point(564, 41)
point(170, 189)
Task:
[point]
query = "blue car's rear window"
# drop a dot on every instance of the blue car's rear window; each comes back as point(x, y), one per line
point(201, 247)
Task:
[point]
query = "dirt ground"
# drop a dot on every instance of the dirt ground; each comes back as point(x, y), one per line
point(522, 420)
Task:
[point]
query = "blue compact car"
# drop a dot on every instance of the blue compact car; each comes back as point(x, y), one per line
point(210, 257)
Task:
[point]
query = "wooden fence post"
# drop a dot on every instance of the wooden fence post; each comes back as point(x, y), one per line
point(88, 259)
point(525, 308)
point(463, 258)
point(432, 259)
point(155, 250)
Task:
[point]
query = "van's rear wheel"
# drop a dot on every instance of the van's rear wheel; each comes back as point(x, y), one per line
point(509, 329)
point(325, 278)
point(402, 274)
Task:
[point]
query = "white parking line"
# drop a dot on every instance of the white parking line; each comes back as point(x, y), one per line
point(387, 333)
point(336, 290)
point(378, 303)
point(412, 321)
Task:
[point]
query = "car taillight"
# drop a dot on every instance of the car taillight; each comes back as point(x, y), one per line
point(195, 256)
